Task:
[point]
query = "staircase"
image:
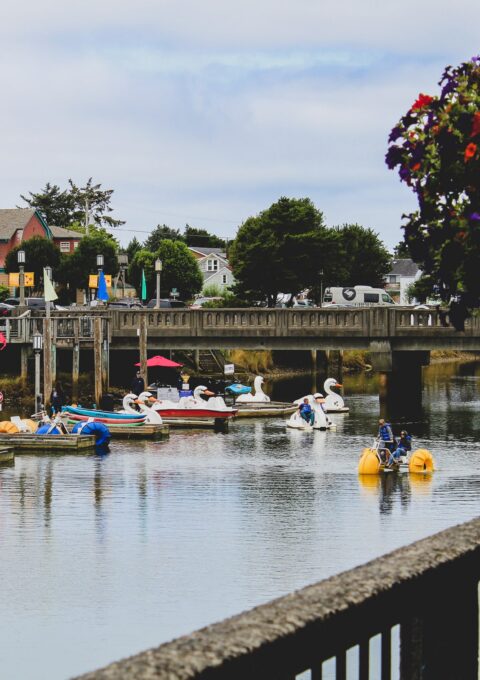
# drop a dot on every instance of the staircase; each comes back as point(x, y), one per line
point(211, 361)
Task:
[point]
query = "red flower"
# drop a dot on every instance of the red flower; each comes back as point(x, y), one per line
point(475, 125)
point(423, 100)
point(470, 151)
point(416, 167)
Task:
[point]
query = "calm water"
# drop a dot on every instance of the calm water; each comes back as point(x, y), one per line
point(104, 557)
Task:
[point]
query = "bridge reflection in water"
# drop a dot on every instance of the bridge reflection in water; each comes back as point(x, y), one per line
point(427, 591)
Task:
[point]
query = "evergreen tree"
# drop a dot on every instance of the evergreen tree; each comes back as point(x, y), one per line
point(159, 234)
point(56, 206)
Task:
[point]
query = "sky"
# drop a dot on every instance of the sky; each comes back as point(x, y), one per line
point(206, 113)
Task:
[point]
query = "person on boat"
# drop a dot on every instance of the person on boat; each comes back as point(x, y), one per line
point(306, 411)
point(386, 438)
point(57, 398)
point(138, 384)
point(403, 447)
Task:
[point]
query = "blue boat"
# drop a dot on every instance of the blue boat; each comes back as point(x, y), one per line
point(237, 388)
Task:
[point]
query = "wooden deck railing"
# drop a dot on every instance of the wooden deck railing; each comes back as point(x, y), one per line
point(426, 593)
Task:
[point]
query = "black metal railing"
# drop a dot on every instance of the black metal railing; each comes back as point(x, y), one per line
point(412, 614)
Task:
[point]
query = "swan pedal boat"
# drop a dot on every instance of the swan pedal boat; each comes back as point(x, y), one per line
point(321, 420)
point(371, 463)
point(193, 407)
point(333, 402)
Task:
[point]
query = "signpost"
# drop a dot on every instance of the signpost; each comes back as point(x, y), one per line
point(174, 293)
point(229, 369)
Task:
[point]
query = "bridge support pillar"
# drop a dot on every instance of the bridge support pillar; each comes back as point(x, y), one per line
point(47, 360)
point(400, 383)
point(97, 359)
point(75, 371)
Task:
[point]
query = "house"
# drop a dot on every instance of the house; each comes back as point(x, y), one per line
point(21, 224)
point(403, 273)
point(214, 266)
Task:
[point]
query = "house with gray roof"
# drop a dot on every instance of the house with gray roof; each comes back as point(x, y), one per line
point(403, 273)
point(214, 266)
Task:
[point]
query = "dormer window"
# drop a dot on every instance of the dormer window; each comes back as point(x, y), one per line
point(212, 266)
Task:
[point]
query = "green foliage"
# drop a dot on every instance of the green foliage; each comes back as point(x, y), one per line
point(133, 247)
point(55, 205)
point(362, 258)
point(75, 269)
point(401, 251)
point(180, 270)
point(202, 238)
point(4, 292)
point(212, 290)
point(436, 147)
point(71, 207)
point(281, 250)
point(161, 233)
point(39, 253)
point(228, 299)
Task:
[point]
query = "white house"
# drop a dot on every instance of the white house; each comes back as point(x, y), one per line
point(402, 274)
point(214, 266)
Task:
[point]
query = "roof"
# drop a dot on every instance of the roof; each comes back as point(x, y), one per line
point(404, 267)
point(209, 251)
point(12, 219)
point(61, 232)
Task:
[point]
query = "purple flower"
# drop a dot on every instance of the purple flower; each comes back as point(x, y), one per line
point(404, 174)
point(395, 133)
point(475, 217)
point(393, 156)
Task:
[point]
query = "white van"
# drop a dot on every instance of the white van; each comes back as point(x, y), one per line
point(358, 295)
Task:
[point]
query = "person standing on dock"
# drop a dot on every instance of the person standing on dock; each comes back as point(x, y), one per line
point(57, 398)
point(138, 384)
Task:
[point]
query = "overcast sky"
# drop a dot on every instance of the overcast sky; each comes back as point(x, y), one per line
point(207, 112)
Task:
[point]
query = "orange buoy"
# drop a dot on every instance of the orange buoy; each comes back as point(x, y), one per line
point(421, 461)
point(369, 463)
point(6, 427)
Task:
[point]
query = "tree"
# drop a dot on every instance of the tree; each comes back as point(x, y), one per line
point(159, 234)
point(133, 247)
point(401, 251)
point(436, 147)
point(180, 270)
point(39, 253)
point(363, 258)
point(281, 250)
point(75, 269)
point(55, 205)
point(202, 238)
point(4, 292)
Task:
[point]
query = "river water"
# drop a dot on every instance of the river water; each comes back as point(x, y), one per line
point(104, 557)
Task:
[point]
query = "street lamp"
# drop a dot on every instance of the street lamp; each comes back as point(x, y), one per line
point(37, 348)
point(100, 267)
point(123, 262)
point(321, 287)
point(48, 273)
point(21, 278)
point(158, 271)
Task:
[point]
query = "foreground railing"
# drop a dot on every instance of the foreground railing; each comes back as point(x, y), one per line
point(426, 593)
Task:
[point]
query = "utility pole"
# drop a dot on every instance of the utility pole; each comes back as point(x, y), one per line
point(87, 214)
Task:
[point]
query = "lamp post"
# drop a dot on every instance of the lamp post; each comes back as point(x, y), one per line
point(158, 271)
point(123, 262)
point(100, 267)
point(21, 278)
point(321, 287)
point(37, 348)
point(48, 273)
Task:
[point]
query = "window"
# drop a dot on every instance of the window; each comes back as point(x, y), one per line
point(64, 246)
point(212, 266)
point(392, 279)
point(75, 244)
point(224, 278)
point(370, 297)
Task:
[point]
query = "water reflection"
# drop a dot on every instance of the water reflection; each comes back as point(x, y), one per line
point(118, 553)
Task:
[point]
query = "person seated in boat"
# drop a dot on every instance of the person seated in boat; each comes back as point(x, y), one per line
point(386, 439)
point(403, 447)
point(306, 411)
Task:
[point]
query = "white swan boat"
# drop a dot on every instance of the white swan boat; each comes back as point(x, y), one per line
point(258, 396)
point(333, 402)
point(321, 420)
point(188, 407)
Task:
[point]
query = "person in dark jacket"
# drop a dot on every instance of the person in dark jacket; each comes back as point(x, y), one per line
point(306, 412)
point(404, 446)
point(138, 384)
point(387, 440)
point(57, 398)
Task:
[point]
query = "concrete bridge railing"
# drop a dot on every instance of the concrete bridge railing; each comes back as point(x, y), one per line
point(416, 608)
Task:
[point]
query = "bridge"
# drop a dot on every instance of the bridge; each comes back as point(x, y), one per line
point(398, 339)
point(411, 614)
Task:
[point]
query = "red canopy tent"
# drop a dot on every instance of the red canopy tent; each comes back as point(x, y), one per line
point(161, 361)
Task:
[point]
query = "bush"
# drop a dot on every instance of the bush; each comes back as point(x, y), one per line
point(4, 293)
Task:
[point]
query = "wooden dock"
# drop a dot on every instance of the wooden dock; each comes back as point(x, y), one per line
point(7, 454)
point(265, 409)
point(146, 431)
point(48, 443)
point(218, 424)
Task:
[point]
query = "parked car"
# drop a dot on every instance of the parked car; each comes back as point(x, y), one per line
point(33, 302)
point(166, 304)
point(126, 303)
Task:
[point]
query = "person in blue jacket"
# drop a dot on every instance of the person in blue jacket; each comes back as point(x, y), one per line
point(306, 411)
point(404, 446)
point(387, 440)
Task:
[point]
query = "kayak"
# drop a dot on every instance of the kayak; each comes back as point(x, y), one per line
point(111, 417)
